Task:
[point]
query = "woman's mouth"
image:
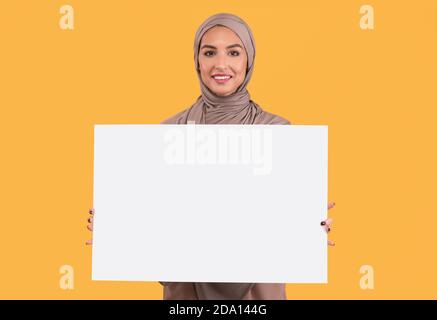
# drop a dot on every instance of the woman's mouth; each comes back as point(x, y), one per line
point(221, 78)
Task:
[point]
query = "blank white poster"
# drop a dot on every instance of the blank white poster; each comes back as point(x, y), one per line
point(210, 203)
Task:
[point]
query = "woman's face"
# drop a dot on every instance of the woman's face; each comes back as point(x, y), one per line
point(222, 60)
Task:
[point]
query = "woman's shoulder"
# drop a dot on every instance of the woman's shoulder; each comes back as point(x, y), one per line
point(263, 117)
point(271, 118)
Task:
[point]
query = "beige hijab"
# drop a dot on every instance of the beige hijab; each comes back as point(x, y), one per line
point(209, 108)
point(236, 108)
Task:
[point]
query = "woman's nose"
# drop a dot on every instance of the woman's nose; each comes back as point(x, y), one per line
point(221, 61)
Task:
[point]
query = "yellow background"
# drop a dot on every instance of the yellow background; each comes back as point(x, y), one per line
point(132, 62)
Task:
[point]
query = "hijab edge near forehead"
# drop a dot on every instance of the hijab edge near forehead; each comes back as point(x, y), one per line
point(243, 32)
point(250, 58)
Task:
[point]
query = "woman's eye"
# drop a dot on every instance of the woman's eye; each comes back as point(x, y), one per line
point(232, 53)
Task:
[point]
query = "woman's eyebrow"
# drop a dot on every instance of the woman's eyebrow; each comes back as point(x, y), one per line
point(228, 47)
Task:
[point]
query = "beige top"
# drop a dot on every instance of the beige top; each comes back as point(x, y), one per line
point(258, 291)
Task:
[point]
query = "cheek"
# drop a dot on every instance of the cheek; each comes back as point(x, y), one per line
point(240, 70)
point(205, 69)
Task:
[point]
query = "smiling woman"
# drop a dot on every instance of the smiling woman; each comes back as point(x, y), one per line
point(222, 66)
point(224, 54)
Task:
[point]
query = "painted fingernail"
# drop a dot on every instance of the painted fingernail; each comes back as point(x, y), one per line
point(329, 229)
point(323, 223)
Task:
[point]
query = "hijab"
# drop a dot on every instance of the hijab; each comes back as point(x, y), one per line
point(236, 108)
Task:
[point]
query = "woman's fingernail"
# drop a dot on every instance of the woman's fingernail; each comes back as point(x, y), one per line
point(323, 223)
point(329, 229)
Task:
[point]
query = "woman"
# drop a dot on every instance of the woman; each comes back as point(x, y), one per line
point(224, 54)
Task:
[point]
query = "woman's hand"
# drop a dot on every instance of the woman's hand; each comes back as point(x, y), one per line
point(327, 224)
point(90, 226)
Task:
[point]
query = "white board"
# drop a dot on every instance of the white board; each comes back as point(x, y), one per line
point(210, 203)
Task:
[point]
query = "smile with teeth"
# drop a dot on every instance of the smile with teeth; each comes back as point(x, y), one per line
point(222, 78)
